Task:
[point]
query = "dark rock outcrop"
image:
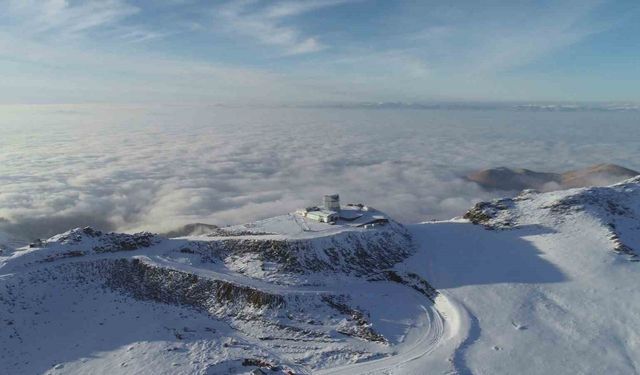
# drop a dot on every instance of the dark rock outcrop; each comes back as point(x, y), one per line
point(144, 281)
point(409, 279)
point(351, 253)
point(92, 240)
point(362, 328)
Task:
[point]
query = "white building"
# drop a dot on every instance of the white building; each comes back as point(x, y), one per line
point(327, 214)
point(322, 216)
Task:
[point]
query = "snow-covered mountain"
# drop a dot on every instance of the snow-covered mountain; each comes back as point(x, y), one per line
point(536, 284)
point(285, 293)
point(548, 282)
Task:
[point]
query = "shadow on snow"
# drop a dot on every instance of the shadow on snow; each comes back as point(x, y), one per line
point(458, 254)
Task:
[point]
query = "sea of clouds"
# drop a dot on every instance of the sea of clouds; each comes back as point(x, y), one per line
point(133, 168)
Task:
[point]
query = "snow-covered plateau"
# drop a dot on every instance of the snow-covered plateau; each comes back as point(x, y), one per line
point(542, 283)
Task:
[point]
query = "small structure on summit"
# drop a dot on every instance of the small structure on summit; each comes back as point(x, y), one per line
point(322, 216)
point(352, 214)
point(332, 202)
point(329, 213)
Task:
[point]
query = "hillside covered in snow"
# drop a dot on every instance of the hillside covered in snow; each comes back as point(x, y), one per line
point(542, 283)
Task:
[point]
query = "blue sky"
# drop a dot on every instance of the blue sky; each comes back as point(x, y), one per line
point(274, 52)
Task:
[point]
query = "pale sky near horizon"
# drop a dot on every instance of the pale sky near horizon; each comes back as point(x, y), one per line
point(308, 51)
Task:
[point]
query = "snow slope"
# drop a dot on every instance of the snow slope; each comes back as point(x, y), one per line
point(536, 284)
point(544, 283)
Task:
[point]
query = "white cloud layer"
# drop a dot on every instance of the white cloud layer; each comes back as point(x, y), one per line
point(154, 168)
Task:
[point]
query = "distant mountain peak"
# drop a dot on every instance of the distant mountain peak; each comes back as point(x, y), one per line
point(510, 179)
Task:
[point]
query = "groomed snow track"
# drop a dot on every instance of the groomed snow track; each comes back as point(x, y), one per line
point(442, 324)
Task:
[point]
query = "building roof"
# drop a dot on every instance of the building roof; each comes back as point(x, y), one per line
point(322, 213)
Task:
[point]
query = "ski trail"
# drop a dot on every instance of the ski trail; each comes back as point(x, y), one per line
point(473, 335)
point(442, 323)
point(464, 330)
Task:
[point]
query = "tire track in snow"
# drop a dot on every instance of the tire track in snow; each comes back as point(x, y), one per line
point(442, 322)
point(465, 329)
point(473, 335)
point(433, 328)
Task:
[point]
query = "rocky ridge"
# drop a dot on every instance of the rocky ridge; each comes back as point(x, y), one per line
point(615, 207)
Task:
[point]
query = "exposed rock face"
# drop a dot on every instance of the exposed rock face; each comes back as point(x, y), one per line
point(362, 329)
point(493, 215)
point(351, 253)
point(95, 241)
point(409, 279)
point(519, 179)
point(175, 287)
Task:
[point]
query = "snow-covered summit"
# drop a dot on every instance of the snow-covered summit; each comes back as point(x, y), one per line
point(282, 294)
point(101, 242)
point(616, 208)
point(294, 226)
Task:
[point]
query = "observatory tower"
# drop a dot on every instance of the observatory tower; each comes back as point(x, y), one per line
point(332, 202)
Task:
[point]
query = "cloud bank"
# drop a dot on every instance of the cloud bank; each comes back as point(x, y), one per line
point(155, 168)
